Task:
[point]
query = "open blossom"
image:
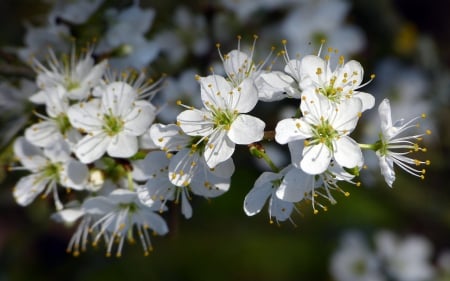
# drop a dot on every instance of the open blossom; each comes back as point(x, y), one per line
point(337, 85)
point(325, 127)
point(118, 214)
point(76, 75)
point(394, 146)
point(265, 188)
point(56, 126)
point(297, 185)
point(112, 123)
point(223, 121)
point(50, 167)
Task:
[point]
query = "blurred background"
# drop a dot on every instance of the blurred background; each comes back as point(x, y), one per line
point(405, 43)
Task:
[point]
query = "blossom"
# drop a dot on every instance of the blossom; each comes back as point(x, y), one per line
point(76, 75)
point(265, 188)
point(394, 146)
point(56, 126)
point(355, 261)
point(325, 127)
point(315, 75)
point(223, 121)
point(172, 176)
point(297, 185)
point(112, 123)
point(116, 216)
point(125, 40)
point(49, 166)
point(77, 12)
point(405, 259)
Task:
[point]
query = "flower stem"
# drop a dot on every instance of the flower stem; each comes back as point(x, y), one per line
point(368, 146)
point(258, 151)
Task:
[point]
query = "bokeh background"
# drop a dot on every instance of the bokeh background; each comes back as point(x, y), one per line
point(405, 43)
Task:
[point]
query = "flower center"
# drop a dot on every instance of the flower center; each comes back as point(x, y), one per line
point(324, 133)
point(63, 123)
point(224, 119)
point(112, 124)
point(71, 84)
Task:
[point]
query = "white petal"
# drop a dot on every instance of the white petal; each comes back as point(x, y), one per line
point(29, 155)
point(292, 129)
point(367, 100)
point(384, 111)
point(84, 115)
point(295, 185)
point(169, 137)
point(91, 148)
point(244, 97)
point(182, 167)
point(236, 64)
point(296, 152)
point(276, 85)
point(316, 159)
point(154, 164)
point(214, 91)
point(218, 149)
point(43, 134)
point(280, 209)
point(387, 169)
point(138, 120)
point(347, 115)
point(186, 208)
point(154, 221)
point(75, 175)
point(224, 169)
point(352, 73)
point(195, 122)
point(28, 188)
point(118, 98)
point(309, 69)
point(347, 153)
point(246, 129)
point(122, 146)
point(206, 184)
point(68, 215)
point(254, 201)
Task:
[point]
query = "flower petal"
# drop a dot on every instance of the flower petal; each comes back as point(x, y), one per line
point(218, 149)
point(91, 148)
point(292, 129)
point(122, 146)
point(295, 185)
point(139, 118)
point(316, 159)
point(246, 129)
point(347, 153)
point(195, 122)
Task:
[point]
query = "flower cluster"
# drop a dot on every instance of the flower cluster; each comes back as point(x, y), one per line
point(98, 133)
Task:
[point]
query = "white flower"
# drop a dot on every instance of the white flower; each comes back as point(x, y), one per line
point(117, 215)
point(394, 145)
point(297, 185)
point(77, 12)
point(315, 76)
point(56, 126)
point(125, 38)
point(325, 127)
point(265, 188)
point(407, 259)
point(112, 123)
point(50, 167)
point(76, 75)
point(186, 170)
point(223, 122)
point(354, 261)
point(37, 40)
point(321, 20)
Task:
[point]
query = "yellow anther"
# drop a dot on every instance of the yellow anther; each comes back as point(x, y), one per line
point(284, 41)
point(428, 132)
point(372, 76)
